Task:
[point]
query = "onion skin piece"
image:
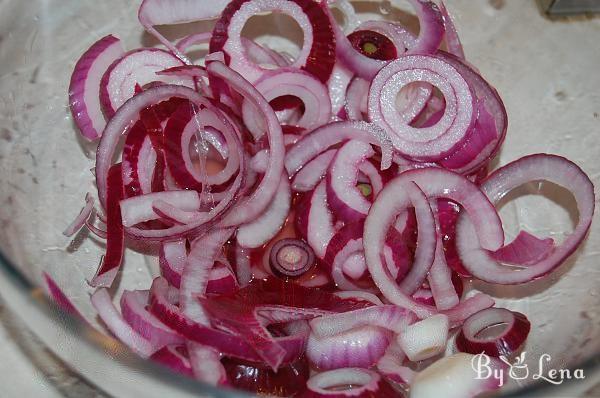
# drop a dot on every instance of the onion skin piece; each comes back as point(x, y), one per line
point(504, 344)
point(115, 242)
point(85, 85)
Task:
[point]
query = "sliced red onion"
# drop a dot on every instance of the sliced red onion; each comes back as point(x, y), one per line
point(116, 324)
point(263, 55)
point(355, 265)
point(121, 122)
point(115, 237)
point(429, 143)
point(482, 138)
point(440, 378)
point(390, 365)
point(100, 233)
point(171, 259)
point(223, 342)
point(242, 265)
point(361, 347)
point(252, 206)
point(348, 382)
point(525, 249)
point(206, 364)
point(373, 45)
point(231, 315)
point(139, 208)
point(221, 280)
point(402, 38)
point(430, 36)
point(206, 126)
point(321, 139)
point(440, 280)
point(337, 86)
point(313, 172)
point(194, 280)
point(448, 212)
point(196, 38)
point(359, 294)
point(440, 275)
point(302, 85)
point(396, 197)
point(171, 357)
point(493, 104)
point(351, 20)
point(82, 217)
point(291, 257)
point(319, 42)
point(426, 338)
point(552, 168)
point(319, 221)
point(468, 307)
point(85, 85)
point(60, 297)
point(342, 246)
point(133, 308)
point(170, 12)
point(346, 201)
point(258, 232)
point(195, 276)
point(452, 40)
point(389, 317)
point(137, 67)
point(431, 27)
point(511, 331)
point(280, 314)
point(357, 99)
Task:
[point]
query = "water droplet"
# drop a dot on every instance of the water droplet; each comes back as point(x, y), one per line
point(385, 7)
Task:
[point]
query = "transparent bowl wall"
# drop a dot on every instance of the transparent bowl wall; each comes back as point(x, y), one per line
point(546, 72)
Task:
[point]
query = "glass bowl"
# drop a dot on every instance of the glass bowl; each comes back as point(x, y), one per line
point(546, 71)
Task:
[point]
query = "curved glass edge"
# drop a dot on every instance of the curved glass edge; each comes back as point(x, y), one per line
point(113, 368)
point(103, 361)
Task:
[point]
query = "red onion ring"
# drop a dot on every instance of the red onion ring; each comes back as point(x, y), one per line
point(318, 44)
point(429, 143)
point(291, 257)
point(552, 168)
point(515, 329)
point(288, 81)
